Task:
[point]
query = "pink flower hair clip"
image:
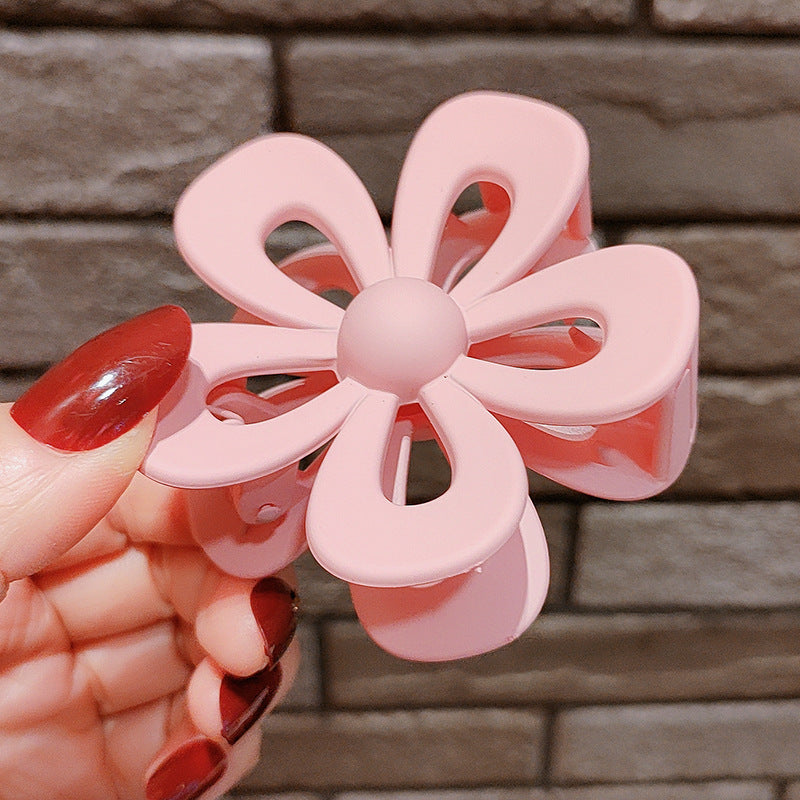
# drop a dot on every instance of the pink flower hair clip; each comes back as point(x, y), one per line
point(470, 330)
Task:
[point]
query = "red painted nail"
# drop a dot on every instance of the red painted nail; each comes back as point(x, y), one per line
point(243, 700)
point(275, 606)
point(107, 385)
point(187, 772)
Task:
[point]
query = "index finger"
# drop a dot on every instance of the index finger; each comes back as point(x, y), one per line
point(71, 444)
point(49, 499)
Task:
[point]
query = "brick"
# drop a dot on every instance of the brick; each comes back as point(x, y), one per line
point(65, 282)
point(281, 796)
point(749, 278)
point(670, 554)
point(376, 159)
point(306, 691)
point(12, 386)
point(449, 794)
point(727, 16)
point(557, 523)
point(748, 441)
point(363, 13)
point(581, 658)
point(677, 742)
point(320, 593)
point(425, 749)
point(695, 116)
point(792, 792)
point(102, 123)
point(715, 790)
point(334, 80)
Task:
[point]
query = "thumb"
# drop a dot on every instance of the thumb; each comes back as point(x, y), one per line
point(71, 444)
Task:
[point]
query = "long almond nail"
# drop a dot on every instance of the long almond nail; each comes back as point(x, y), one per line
point(107, 385)
point(188, 772)
point(243, 700)
point(275, 606)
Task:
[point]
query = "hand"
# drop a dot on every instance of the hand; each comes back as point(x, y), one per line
point(130, 666)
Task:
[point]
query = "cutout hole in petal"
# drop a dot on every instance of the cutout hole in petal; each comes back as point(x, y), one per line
point(290, 238)
point(429, 472)
point(310, 259)
point(552, 345)
point(339, 297)
point(469, 200)
point(258, 384)
point(416, 468)
point(261, 397)
point(471, 228)
point(306, 462)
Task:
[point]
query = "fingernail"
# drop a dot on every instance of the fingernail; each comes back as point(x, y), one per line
point(243, 700)
point(187, 772)
point(107, 385)
point(275, 606)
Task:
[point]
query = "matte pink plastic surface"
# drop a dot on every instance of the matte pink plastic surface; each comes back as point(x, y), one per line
point(502, 334)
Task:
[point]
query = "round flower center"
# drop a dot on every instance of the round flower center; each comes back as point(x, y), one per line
point(399, 334)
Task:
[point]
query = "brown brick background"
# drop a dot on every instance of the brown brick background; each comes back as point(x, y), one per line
point(667, 663)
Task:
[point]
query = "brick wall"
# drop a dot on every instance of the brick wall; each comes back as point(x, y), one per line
point(667, 665)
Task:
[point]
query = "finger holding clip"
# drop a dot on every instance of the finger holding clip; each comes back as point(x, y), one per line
point(191, 765)
point(244, 625)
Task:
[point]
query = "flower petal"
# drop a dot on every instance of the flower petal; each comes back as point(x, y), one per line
point(193, 449)
point(358, 534)
point(469, 614)
point(536, 152)
point(645, 300)
point(225, 216)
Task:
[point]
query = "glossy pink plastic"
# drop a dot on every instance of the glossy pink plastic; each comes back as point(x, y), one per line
point(502, 334)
